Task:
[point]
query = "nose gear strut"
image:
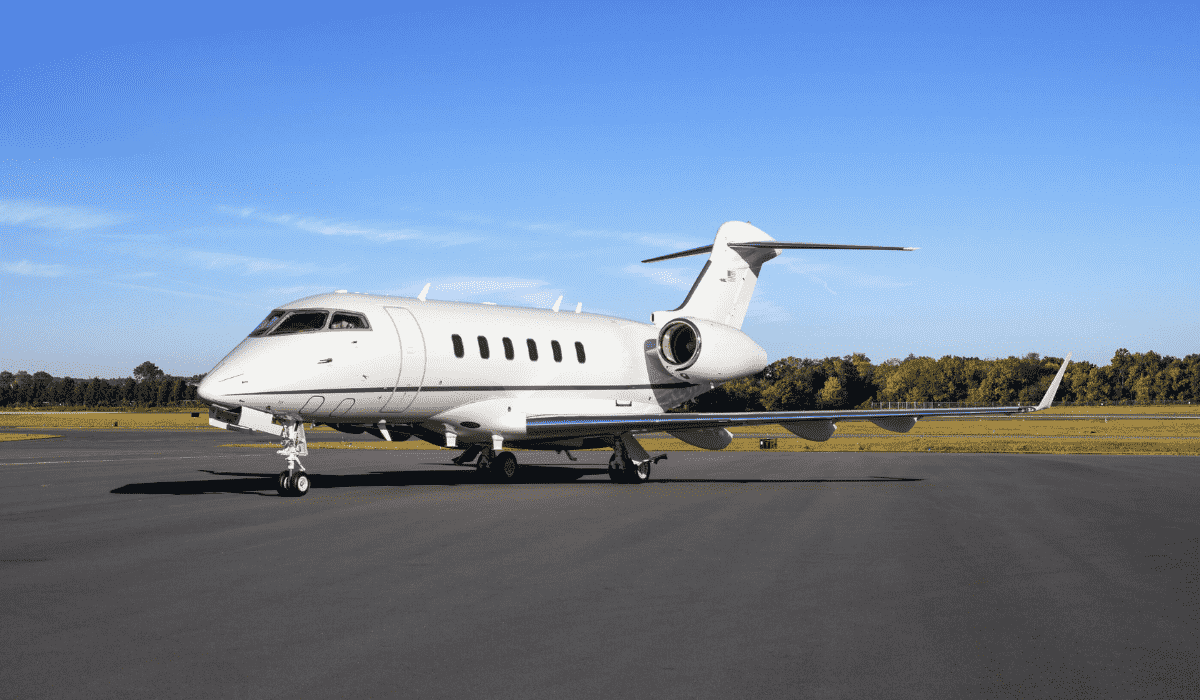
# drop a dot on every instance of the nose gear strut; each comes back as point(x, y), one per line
point(294, 480)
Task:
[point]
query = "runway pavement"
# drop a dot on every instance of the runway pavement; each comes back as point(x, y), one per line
point(161, 564)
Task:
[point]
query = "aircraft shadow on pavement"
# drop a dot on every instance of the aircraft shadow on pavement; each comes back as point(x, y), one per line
point(263, 484)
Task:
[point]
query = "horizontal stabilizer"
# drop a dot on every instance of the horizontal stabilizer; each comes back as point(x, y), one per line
point(775, 245)
point(813, 246)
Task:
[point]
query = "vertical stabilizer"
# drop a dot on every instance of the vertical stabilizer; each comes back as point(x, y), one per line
point(722, 291)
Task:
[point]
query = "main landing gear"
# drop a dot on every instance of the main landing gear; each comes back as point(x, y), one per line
point(629, 463)
point(293, 481)
point(501, 467)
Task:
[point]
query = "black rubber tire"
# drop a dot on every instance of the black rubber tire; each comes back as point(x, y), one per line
point(505, 467)
point(300, 484)
point(281, 483)
point(637, 474)
point(616, 473)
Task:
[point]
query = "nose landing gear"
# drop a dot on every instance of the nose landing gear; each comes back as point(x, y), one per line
point(293, 481)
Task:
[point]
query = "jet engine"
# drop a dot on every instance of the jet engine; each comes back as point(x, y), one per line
point(701, 350)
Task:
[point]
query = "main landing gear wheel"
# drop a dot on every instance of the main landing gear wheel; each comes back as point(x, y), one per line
point(483, 467)
point(637, 473)
point(615, 469)
point(622, 470)
point(505, 467)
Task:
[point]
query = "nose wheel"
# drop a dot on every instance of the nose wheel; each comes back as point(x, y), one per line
point(292, 483)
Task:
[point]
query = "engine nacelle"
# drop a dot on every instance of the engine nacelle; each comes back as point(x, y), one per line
point(700, 350)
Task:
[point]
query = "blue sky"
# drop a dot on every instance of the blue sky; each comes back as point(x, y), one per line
point(167, 176)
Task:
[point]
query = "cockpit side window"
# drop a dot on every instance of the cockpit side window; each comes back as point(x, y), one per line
point(268, 323)
point(302, 322)
point(343, 320)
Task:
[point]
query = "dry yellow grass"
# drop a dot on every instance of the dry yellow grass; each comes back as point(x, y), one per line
point(12, 437)
point(1005, 435)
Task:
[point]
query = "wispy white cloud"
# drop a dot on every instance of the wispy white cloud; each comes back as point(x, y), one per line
point(516, 291)
point(841, 276)
point(674, 277)
point(329, 227)
point(29, 269)
point(767, 311)
point(59, 218)
point(248, 265)
point(474, 286)
point(179, 293)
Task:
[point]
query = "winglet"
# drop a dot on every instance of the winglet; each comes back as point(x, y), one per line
point(1049, 397)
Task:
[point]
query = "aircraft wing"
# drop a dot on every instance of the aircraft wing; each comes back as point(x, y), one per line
point(898, 420)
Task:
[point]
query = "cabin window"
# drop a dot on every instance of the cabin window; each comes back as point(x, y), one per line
point(302, 322)
point(532, 345)
point(557, 350)
point(509, 353)
point(346, 321)
point(484, 352)
point(579, 354)
point(459, 350)
point(268, 323)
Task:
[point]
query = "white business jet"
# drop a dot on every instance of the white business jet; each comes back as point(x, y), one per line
point(482, 377)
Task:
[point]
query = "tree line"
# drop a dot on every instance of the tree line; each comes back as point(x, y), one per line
point(790, 384)
point(839, 383)
point(149, 387)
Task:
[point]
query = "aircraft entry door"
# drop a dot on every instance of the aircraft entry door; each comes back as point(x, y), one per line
point(412, 360)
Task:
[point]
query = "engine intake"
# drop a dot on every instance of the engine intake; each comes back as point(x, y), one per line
point(680, 343)
point(698, 349)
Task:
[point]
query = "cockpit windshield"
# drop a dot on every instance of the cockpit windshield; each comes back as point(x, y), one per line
point(344, 321)
point(302, 322)
point(268, 323)
point(286, 322)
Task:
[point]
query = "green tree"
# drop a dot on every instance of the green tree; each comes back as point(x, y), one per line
point(127, 392)
point(147, 371)
point(833, 395)
point(91, 392)
point(178, 391)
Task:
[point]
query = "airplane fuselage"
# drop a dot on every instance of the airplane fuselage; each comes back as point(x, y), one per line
point(448, 366)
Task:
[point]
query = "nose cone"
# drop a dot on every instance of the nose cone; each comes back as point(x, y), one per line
point(205, 390)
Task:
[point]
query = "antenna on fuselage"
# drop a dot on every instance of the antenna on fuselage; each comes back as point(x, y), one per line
point(579, 307)
point(424, 291)
point(557, 304)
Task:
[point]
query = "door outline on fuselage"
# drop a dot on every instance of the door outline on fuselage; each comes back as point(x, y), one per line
point(412, 360)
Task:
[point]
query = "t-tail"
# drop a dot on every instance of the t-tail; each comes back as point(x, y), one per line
point(723, 290)
point(701, 341)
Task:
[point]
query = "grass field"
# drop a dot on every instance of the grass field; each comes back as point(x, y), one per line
point(12, 437)
point(1163, 430)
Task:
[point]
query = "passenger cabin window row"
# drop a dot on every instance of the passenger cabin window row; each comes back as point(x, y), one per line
point(287, 322)
point(460, 350)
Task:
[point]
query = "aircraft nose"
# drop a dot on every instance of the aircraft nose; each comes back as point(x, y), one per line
point(205, 389)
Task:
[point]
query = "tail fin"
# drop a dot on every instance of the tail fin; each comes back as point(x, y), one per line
point(722, 291)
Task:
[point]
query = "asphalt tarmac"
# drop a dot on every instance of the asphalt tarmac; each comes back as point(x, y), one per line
point(161, 564)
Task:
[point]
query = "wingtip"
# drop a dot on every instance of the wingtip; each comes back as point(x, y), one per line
point(1052, 391)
